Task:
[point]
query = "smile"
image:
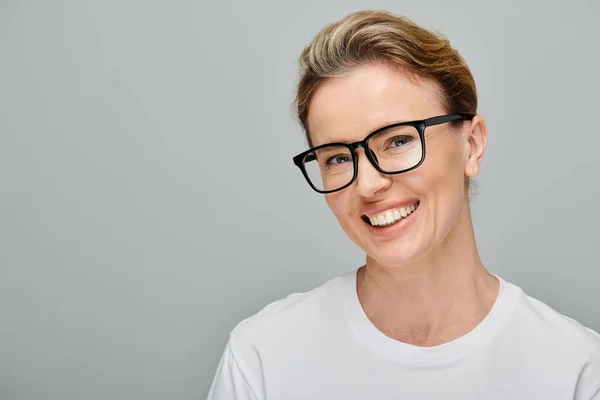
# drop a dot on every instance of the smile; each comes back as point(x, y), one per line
point(391, 216)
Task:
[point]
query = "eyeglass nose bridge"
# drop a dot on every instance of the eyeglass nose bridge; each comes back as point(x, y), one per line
point(371, 156)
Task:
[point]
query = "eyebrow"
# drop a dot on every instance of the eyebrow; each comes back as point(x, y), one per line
point(335, 141)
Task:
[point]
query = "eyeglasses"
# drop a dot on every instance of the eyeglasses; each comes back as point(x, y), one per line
point(393, 149)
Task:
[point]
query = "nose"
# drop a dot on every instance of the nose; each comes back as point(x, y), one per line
point(370, 181)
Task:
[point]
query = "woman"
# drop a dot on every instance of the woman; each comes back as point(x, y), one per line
point(390, 114)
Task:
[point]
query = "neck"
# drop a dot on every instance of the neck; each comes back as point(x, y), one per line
point(438, 298)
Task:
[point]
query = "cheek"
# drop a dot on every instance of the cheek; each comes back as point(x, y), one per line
point(445, 189)
point(440, 182)
point(339, 204)
point(444, 165)
point(343, 208)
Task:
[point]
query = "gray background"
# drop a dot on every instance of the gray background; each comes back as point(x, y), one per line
point(148, 201)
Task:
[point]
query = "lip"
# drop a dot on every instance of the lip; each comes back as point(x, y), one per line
point(394, 229)
point(376, 208)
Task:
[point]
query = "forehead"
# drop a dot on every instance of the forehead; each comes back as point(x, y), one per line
point(349, 107)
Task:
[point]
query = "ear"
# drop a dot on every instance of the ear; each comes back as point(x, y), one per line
point(476, 144)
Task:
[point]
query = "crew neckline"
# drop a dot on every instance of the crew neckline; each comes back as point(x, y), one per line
point(484, 332)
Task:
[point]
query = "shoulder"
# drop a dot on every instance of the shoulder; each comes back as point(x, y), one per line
point(542, 318)
point(552, 343)
point(544, 329)
point(282, 330)
point(290, 319)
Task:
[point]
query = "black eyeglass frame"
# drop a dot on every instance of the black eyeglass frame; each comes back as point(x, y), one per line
point(420, 125)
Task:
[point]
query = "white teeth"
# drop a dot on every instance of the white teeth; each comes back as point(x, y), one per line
point(389, 217)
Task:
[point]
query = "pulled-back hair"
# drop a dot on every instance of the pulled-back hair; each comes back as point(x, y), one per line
point(379, 37)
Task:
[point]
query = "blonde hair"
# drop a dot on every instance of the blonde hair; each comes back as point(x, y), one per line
point(368, 37)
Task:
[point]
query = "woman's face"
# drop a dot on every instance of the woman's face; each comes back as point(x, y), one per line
point(347, 109)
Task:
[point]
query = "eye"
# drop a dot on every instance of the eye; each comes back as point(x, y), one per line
point(339, 159)
point(400, 141)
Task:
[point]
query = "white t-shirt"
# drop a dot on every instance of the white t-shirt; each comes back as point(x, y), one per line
point(321, 345)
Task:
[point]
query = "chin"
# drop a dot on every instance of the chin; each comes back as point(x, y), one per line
point(389, 252)
point(392, 254)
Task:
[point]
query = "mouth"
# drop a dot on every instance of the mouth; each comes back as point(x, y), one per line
point(391, 216)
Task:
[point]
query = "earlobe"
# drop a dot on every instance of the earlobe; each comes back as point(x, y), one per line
point(477, 143)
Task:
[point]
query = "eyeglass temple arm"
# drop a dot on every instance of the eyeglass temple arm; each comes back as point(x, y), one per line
point(447, 118)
